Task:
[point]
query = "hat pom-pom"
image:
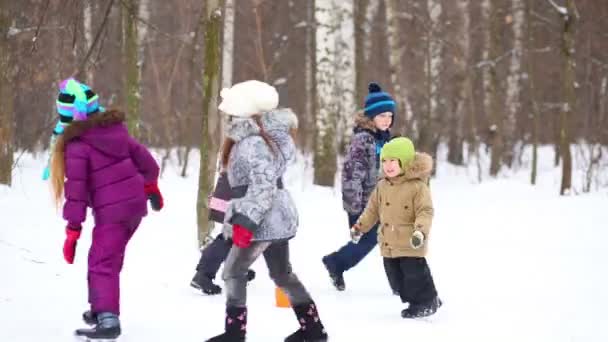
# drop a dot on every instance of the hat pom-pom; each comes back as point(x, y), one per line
point(374, 88)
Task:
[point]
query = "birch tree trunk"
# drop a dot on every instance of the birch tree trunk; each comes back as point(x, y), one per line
point(228, 44)
point(462, 84)
point(345, 70)
point(130, 13)
point(569, 95)
point(87, 19)
point(211, 84)
point(360, 12)
point(6, 99)
point(325, 163)
point(513, 101)
point(370, 17)
point(396, 49)
point(142, 35)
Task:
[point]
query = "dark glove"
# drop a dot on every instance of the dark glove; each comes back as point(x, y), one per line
point(69, 245)
point(417, 239)
point(241, 236)
point(154, 196)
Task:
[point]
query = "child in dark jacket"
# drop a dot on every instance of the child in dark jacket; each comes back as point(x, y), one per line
point(96, 164)
point(402, 203)
point(359, 177)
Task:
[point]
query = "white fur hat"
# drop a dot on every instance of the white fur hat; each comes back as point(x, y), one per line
point(248, 98)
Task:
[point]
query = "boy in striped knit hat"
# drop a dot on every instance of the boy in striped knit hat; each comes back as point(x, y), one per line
point(359, 176)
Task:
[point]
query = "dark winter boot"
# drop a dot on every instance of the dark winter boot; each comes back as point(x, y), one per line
point(250, 275)
point(422, 310)
point(89, 317)
point(337, 279)
point(311, 328)
point(204, 282)
point(235, 326)
point(108, 327)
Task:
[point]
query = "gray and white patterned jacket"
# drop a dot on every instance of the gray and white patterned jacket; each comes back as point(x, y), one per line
point(267, 211)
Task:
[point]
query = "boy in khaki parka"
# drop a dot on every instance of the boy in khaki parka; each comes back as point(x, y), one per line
point(402, 203)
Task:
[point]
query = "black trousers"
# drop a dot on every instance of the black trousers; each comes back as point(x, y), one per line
point(412, 277)
point(213, 256)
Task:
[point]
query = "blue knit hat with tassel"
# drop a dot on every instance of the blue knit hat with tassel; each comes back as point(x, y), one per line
point(378, 101)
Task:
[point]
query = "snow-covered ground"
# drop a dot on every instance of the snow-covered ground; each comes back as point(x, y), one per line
point(511, 262)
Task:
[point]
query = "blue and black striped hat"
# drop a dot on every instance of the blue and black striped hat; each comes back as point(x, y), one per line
point(378, 101)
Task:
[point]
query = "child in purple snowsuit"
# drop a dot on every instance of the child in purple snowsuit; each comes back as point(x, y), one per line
point(98, 165)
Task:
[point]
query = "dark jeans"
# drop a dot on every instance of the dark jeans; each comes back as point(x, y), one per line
point(413, 276)
point(276, 255)
point(213, 256)
point(349, 255)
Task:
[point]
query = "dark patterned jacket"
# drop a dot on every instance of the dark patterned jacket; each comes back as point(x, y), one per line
point(361, 165)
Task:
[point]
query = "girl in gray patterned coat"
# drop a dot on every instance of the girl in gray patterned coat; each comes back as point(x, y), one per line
point(261, 217)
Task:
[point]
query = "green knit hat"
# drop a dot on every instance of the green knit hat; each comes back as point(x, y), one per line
point(400, 148)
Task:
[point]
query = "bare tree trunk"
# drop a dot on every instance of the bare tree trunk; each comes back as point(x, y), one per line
point(462, 84)
point(307, 126)
point(602, 112)
point(513, 101)
point(535, 111)
point(130, 50)
point(396, 49)
point(211, 85)
point(429, 135)
point(490, 82)
point(325, 163)
point(569, 95)
point(186, 122)
point(6, 99)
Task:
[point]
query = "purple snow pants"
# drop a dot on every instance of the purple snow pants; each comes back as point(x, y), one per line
point(106, 257)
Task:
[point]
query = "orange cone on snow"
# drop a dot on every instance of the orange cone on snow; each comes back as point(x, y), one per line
point(282, 301)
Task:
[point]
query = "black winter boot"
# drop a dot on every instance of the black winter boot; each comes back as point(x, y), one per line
point(337, 279)
point(204, 282)
point(89, 317)
point(311, 328)
point(250, 275)
point(108, 327)
point(422, 310)
point(235, 326)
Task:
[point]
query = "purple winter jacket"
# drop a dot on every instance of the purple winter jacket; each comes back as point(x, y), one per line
point(106, 169)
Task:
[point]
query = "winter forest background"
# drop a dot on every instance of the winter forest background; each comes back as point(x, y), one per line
point(472, 78)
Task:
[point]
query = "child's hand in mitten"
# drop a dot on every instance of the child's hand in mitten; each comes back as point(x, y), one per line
point(154, 196)
point(417, 239)
point(72, 234)
point(241, 236)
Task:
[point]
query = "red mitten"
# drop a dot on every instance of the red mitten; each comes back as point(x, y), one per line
point(154, 195)
point(241, 236)
point(69, 245)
